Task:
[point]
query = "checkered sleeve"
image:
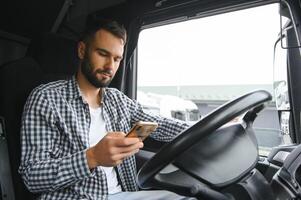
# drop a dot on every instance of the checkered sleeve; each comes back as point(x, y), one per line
point(167, 129)
point(41, 168)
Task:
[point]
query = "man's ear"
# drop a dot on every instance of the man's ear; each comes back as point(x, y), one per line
point(81, 48)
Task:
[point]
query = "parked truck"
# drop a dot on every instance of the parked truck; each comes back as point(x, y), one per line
point(169, 106)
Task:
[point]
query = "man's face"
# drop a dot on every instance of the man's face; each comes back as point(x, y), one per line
point(101, 58)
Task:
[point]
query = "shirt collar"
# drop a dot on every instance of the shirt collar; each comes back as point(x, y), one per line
point(74, 91)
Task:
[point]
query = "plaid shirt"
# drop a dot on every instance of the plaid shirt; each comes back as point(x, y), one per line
point(54, 137)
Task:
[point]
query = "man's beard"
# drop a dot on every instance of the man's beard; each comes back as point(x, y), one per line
point(87, 70)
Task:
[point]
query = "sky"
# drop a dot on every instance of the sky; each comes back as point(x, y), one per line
point(232, 48)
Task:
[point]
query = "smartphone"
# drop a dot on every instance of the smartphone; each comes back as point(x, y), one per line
point(142, 129)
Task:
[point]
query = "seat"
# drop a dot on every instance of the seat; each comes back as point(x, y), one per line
point(52, 58)
point(55, 54)
point(15, 88)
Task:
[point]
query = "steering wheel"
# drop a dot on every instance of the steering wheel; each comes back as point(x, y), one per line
point(201, 159)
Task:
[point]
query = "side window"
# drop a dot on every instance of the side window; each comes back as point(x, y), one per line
point(187, 69)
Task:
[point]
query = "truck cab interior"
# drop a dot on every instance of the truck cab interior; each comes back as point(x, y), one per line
point(221, 155)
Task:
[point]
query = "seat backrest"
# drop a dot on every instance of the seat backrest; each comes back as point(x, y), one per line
point(17, 79)
point(52, 60)
point(55, 54)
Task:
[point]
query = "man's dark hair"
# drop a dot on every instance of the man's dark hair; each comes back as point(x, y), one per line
point(94, 25)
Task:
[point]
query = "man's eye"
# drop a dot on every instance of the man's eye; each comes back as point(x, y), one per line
point(103, 53)
point(117, 59)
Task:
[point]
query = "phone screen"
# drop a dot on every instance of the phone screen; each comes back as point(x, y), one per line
point(142, 130)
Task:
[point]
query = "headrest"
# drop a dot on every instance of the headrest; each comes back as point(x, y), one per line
point(55, 54)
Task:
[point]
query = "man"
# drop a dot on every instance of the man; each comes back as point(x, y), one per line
point(73, 131)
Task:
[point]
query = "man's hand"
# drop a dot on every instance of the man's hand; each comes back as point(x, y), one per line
point(112, 150)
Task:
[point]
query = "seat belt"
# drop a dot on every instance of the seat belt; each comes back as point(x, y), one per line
point(62, 14)
point(6, 183)
point(2, 133)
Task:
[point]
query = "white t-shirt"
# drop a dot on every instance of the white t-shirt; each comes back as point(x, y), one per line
point(97, 132)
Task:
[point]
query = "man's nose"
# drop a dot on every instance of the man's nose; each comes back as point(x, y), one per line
point(109, 63)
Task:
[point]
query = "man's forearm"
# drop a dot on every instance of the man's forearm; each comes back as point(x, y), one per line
point(50, 175)
point(91, 158)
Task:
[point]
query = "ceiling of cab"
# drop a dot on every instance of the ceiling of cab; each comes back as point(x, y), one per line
point(30, 17)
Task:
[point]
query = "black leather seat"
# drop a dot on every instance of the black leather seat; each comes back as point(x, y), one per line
point(51, 58)
point(17, 79)
point(55, 54)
